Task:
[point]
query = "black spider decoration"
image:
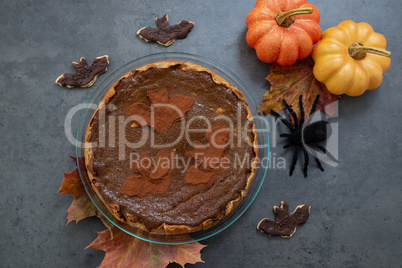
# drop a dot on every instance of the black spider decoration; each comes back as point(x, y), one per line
point(300, 137)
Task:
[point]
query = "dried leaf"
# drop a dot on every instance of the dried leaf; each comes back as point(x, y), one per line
point(289, 82)
point(82, 206)
point(105, 222)
point(123, 250)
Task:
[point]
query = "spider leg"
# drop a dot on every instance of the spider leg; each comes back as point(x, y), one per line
point(319, 164)
point(314, 105)
point(321, 148)
point(284, 121)
point(301, 111)
point(306, 161)
point(287, 145)
point(291, 112)
point(294, 161)
point(285, 135)
point(325, 151)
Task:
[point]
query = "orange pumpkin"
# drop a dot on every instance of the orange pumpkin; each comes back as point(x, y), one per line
point(283, 31)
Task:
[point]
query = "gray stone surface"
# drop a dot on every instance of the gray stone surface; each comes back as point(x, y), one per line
point(356, 216)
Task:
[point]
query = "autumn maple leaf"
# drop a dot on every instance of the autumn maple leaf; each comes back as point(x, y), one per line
point(289, 82)
point(82, 206)
point(123, 250)
point(164, 111)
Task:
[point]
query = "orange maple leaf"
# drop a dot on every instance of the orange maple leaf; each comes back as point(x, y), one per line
point(163, 112)
point(289, 82)
point(123, 250)
point(82, 206)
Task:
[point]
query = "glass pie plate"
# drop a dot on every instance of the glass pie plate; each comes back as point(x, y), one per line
point(263, 144)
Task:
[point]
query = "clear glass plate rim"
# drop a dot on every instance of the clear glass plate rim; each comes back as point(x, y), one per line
point(167, 54)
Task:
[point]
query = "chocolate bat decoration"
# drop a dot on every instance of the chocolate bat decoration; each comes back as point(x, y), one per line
point(164, 33)
point(284, 224)
point(85, 76)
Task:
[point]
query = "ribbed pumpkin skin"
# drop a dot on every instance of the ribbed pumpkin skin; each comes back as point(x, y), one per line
point(343, 74)
point(282, 45)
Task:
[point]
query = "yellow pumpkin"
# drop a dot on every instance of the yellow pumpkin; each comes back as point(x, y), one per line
point(351, 58)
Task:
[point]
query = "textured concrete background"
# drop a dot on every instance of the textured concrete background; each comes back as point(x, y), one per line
point(356, 216)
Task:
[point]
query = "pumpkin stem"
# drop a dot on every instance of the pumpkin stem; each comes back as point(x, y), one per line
point(359, 52)
point(285, 19)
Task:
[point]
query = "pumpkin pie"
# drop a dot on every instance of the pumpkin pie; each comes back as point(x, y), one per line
point(171, 148)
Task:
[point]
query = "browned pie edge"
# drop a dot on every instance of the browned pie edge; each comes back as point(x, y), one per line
point(166, 228)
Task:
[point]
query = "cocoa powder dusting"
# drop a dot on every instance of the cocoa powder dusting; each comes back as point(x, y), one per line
point(154, 175)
